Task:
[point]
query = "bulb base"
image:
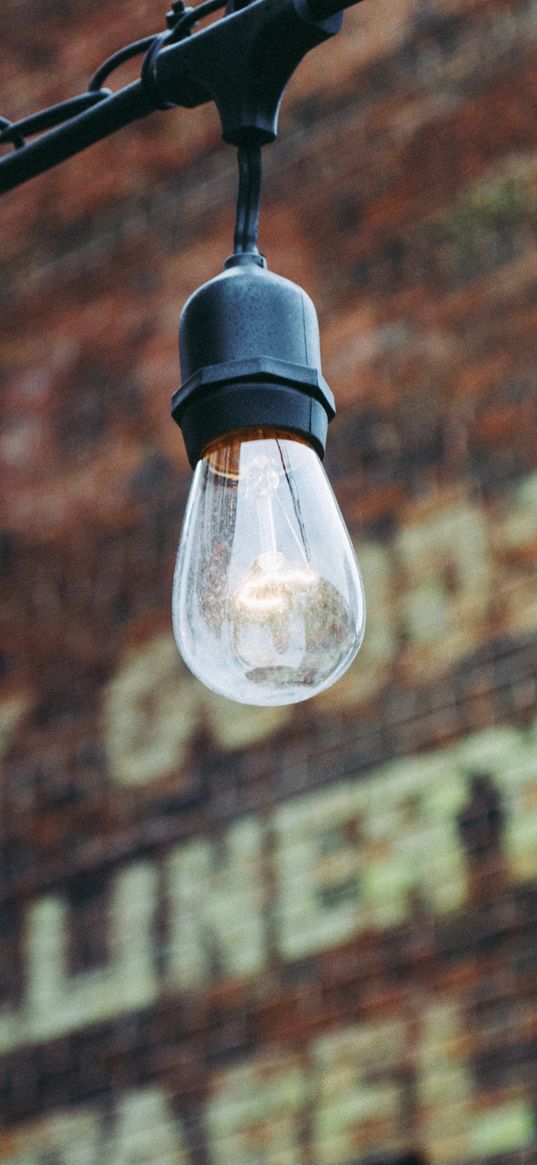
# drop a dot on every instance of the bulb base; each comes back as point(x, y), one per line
point(250, 354)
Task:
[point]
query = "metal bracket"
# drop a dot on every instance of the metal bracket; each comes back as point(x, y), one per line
point(243, 63)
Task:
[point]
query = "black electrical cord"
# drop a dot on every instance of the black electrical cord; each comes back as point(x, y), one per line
point(186, 19)
point(117, 59)
point(16, 132)
point(225, 62)
point(247, 218)
point(10, 132)
point(191, 16)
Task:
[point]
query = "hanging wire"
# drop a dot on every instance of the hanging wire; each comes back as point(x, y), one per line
point(117, 59)
point(247, 219)
point(191, 16)
point(10, 132)
point(48, 118)
point(16, 131)
point(186, 19)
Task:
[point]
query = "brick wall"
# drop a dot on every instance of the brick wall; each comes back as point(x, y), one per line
point(300, 936)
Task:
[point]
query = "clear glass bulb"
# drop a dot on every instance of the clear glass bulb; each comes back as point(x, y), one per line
point(268, 603)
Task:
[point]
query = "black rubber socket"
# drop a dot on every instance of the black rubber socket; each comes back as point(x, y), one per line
point(250, 357)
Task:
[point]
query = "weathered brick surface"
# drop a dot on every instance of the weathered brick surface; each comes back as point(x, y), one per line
point(299, 936)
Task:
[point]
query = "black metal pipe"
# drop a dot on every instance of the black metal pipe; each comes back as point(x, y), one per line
point(91, 126)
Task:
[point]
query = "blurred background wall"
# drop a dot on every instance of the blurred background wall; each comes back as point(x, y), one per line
point(300, 936)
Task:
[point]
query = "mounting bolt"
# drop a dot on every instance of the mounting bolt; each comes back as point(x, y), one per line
point(177, 9)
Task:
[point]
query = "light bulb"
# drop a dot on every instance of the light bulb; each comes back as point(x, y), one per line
point(268, 604)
